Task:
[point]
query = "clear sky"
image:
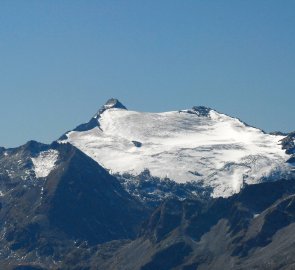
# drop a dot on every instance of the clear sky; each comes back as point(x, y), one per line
point(61, 60)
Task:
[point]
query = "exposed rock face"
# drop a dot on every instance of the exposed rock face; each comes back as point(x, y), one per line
point(288, 143)
point(112, 103)
point(201, 111)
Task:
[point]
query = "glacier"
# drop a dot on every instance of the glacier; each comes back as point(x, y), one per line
point(194, 145)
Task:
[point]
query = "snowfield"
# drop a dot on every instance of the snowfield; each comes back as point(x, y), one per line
point(44, 163)
point(218, 150)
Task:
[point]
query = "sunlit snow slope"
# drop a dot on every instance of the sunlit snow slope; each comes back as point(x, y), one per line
point(190, 145)
point(45, 162)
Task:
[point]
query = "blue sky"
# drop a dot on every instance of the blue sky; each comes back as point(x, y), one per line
point(61, 60)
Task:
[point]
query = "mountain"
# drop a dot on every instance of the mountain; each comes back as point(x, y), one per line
point(54, 197)
point(200, 147)
point(188, 189)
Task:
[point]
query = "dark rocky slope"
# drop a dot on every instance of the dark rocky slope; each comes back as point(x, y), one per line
point(251, 230)
point(78, 204)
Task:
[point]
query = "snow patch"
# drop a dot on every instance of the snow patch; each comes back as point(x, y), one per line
point(44, 163)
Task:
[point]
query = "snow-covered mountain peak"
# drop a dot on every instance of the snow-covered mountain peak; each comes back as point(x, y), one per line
point(112, 103)
point(198, 145)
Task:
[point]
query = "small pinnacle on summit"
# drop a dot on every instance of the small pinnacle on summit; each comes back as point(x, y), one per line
point(111, 104)
point(200, 111)
point(93, 122)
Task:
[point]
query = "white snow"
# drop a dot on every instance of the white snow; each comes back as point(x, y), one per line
point(218, 149)
point(44, 163)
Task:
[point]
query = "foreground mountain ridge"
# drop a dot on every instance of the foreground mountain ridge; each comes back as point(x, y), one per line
point(44, 213)
point(244, 231)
